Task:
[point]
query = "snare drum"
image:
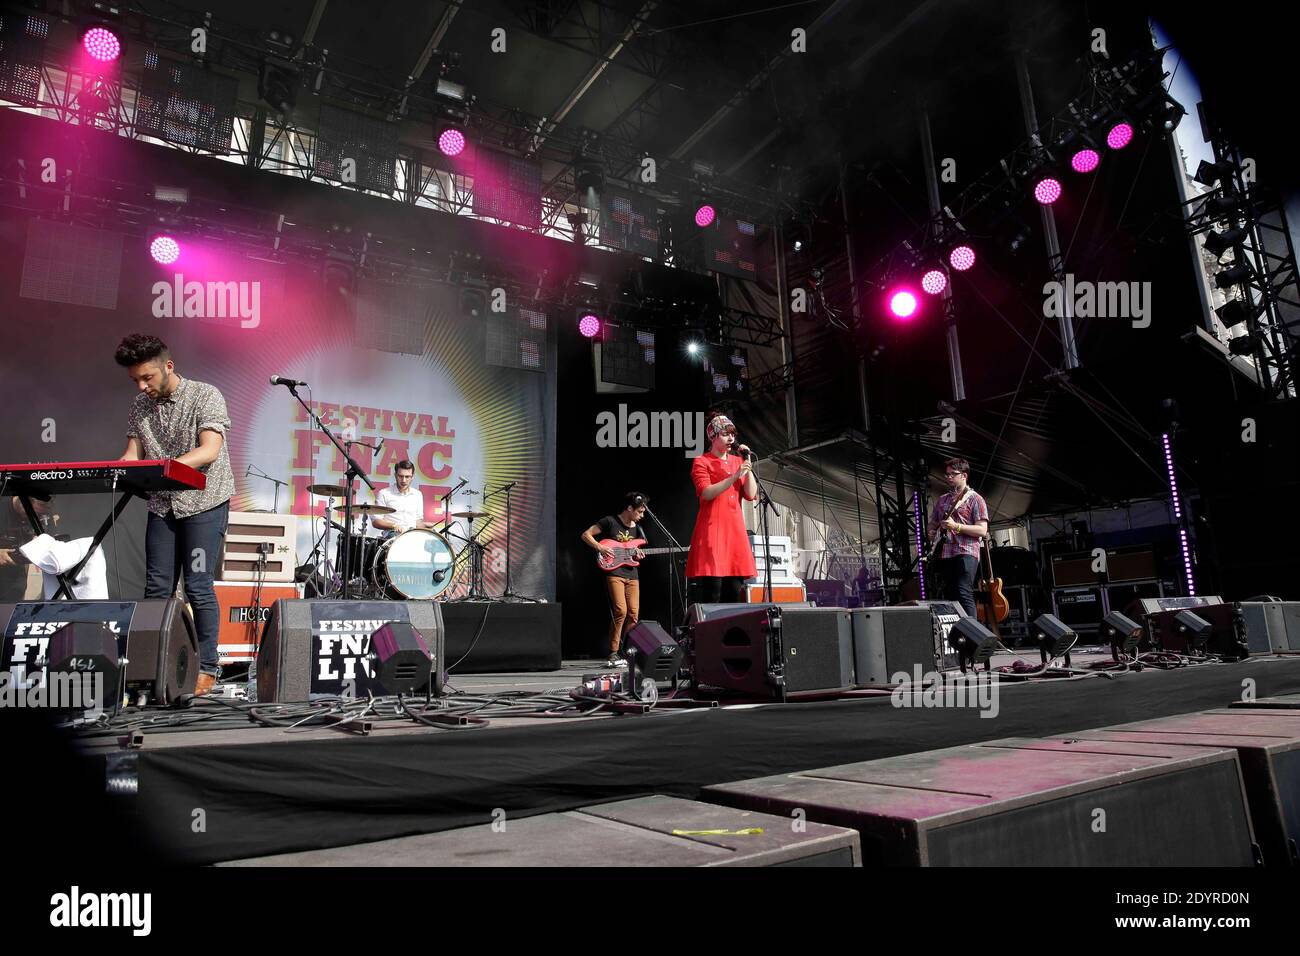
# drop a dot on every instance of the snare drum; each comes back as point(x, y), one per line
point(416, 565)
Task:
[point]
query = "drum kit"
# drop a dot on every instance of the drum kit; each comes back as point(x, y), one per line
point(416, 564)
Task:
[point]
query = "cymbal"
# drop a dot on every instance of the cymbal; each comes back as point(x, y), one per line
point(328, 491)
point(471, 515)
point(366, 509)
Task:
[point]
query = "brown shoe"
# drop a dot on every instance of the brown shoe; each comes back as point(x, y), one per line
point(205, 684)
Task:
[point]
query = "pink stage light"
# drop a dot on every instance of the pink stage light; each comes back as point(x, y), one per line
point(1120, 135)
point(102, 44)
point(902, 303)
point(451, 142)
point(1085, 160)
point(961, 258)
point(1048, 190)
point(165, 250)
point(589, 326)
point(934, 282)
point(704, 216)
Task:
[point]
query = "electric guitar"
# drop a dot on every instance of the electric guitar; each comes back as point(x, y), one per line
point(624, 553)
point(936, 542)
point(993, 606)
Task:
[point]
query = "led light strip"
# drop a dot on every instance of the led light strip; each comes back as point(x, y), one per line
point(1178, 515)
point(920, 567)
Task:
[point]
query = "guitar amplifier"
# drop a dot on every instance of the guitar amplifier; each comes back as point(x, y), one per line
point(1081, 608)
point(248, 535)
point(781, 593)
point(1074, 569)
point(239, 624)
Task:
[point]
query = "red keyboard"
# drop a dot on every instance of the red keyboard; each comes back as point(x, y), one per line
point(96, 477)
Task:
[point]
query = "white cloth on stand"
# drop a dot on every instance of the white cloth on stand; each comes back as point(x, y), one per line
point(54, 557)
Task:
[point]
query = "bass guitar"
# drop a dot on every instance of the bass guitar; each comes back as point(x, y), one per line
point(624, 553)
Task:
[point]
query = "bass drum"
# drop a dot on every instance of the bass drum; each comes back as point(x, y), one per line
point(416, 565)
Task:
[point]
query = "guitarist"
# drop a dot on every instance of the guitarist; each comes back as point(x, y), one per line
point(621, 583)
point(961, 519)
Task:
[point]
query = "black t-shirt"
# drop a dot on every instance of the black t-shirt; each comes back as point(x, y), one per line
point(14, 530)
point(612, 528)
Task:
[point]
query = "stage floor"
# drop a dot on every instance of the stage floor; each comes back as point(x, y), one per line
point(266, 790)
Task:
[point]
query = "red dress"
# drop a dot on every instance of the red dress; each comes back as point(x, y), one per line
point(719, 547)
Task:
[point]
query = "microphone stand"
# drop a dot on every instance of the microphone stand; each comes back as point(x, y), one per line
point(765, 504)
point(674, 548)
point(354, 471)
point(508, 594)
point(275, 506)
point(446, 507)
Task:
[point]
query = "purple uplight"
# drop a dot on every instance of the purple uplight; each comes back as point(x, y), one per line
point(451, 142)
point(961, 258)
point(589, 326)
point(165, 250)
point(934, 282)
point(1085, 160)
point(1120, 135)
point(902, 303)
point(102, 44)
point(704, 216)
point(1048, 190)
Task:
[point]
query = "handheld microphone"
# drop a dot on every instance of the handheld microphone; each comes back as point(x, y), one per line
point(745, 450)
point(439, 575)
point(281, 380)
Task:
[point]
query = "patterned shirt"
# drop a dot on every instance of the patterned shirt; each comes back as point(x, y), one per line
point(169, 428)
point(972, 511)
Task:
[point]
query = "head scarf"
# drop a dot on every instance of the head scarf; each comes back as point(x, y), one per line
point(717, 425)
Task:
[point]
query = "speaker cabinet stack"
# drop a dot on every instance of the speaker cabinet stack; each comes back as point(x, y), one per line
point(322, 648)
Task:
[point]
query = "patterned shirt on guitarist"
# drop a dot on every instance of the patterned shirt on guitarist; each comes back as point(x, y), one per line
point(971, 511)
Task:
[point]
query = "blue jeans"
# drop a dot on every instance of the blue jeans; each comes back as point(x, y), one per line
point(191, 546)
point(959, 580)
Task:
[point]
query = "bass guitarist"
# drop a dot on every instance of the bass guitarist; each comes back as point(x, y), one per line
point(621, 582)
point(961, 520)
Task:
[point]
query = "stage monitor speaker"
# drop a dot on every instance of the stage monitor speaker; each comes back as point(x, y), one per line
point(707, 612)
point(1153, 605)
point(943, 615)
point(889, 641)
point(1265, 623)
point(1225, 638)
point(739, 651)
point(1291, 617)
point(156, 638)
point(818, 644)
point(321, 648)
point(775, 651)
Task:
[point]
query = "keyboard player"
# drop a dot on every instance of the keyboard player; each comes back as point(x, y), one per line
point(174, 417)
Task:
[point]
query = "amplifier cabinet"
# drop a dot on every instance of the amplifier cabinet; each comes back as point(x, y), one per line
point(249, 530)
point(240, 622)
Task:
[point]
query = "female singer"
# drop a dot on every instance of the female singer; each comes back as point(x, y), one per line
point(721, 559)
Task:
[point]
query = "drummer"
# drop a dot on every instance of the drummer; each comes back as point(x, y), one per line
point(406, 502)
